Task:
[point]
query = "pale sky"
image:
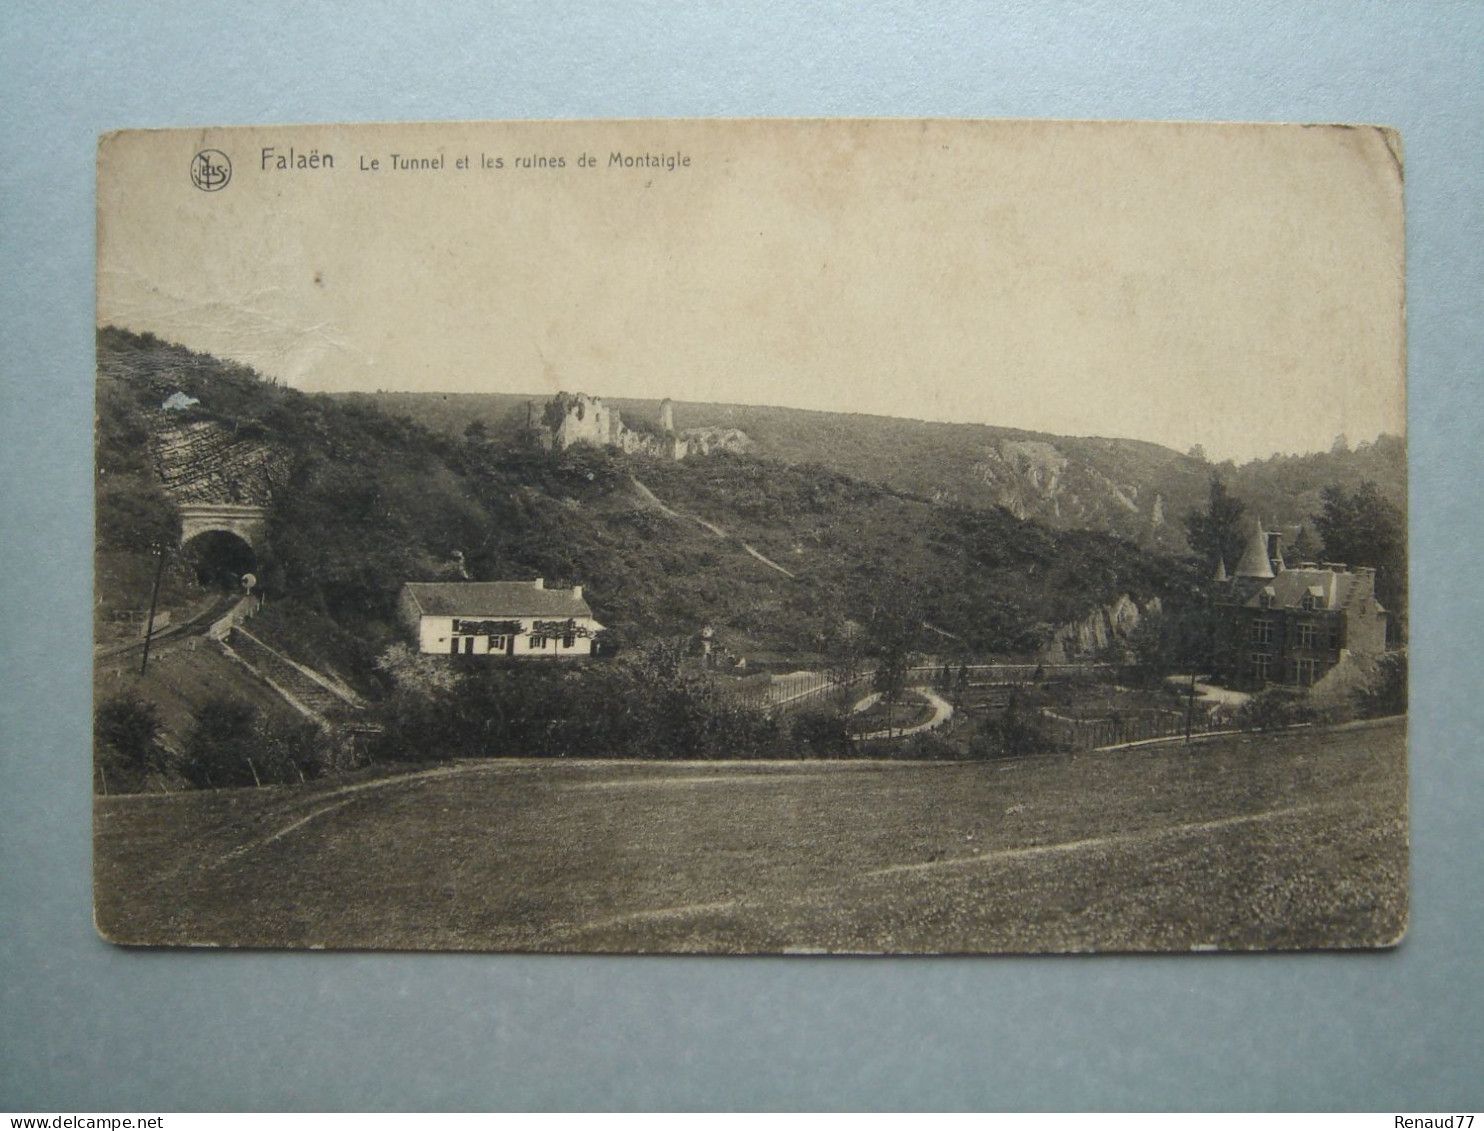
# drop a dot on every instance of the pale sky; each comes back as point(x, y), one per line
point(1239, 287)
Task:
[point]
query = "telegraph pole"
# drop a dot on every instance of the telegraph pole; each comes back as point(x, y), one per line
point(1190, 706)
point(154, 597)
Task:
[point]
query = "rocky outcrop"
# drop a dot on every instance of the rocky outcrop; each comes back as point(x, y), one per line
point(1101, 631)
point(704, 441)
point(1038, 479)
point(202, 461)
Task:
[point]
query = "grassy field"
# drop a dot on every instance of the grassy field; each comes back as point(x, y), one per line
point(1252, 841)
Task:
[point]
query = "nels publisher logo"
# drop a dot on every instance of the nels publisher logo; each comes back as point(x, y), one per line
point(211, 169)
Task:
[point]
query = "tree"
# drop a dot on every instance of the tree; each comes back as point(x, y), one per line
point(234, 744)
point(1386, 692)
point(1022, 730)
point(1306, 546)
point(129, 725)
point(846, 664)
point(1364, 528)
point(1216, 533)
point(895, 632)
point(134, 513)
point(822, 733)
point(126, 743)
point(1151, 649)
point(890, 678)
point(220, 747)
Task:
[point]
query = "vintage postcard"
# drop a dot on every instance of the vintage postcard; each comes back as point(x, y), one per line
point(751, 537)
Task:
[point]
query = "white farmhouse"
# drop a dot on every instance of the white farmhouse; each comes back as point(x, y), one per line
point(498, 618)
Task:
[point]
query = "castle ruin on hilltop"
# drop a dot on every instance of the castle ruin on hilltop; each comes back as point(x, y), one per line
point(576, 418)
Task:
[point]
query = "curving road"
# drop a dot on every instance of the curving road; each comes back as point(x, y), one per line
point(942, 712)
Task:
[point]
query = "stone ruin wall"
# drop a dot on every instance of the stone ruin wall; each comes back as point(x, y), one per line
point(587, 420)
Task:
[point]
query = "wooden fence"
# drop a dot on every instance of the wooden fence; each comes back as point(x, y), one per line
point(1089, 734)
point(800, 689)
point(982, 675)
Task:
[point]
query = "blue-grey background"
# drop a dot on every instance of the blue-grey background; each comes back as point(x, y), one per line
point(86, 1026)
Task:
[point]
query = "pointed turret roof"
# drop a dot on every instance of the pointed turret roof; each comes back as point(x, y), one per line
point(1220, 570)
point(1255, 561)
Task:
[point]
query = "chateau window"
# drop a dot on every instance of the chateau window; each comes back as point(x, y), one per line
point(1308, 635)
point(1307, 604)
point(1261, 666)
point(1262, 631)
point(1265, 601)
point(1334, 635)
point(1305, 672)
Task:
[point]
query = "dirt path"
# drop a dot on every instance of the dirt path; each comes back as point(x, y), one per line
point(654, 500)
point(942, 712)
point(1285, 839)
point(1099, 842)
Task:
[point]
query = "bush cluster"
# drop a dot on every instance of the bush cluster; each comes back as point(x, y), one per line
point(638, 706)
point(127, 750)
point(235, 744)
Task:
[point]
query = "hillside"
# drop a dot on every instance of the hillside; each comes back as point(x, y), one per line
point(1136, 490)
point(364, 500)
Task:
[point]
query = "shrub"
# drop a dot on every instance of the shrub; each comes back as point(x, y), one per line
point(1386, 692)
point(645, 705)
point(233, 744)
point(126, 743)
point(1020, 730)
point(129, 727)
point(1275, 708)
point(822, 733)
point(928, 747)
point(219, 749)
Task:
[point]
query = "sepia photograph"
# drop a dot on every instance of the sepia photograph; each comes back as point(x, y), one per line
point(751, 537)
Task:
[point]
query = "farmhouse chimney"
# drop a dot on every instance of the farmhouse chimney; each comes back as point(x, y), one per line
point(539, 583)
point(577, 592)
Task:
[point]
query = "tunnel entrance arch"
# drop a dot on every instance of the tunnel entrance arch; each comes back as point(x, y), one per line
point(248, 523)
point(220, 558)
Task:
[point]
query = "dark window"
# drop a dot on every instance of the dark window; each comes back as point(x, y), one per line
point(1262, 631)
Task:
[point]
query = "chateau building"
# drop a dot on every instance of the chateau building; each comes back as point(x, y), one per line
point(1272, 624)
point(498, 618)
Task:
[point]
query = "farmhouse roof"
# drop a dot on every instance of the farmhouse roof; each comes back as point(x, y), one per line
point(496, 599)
